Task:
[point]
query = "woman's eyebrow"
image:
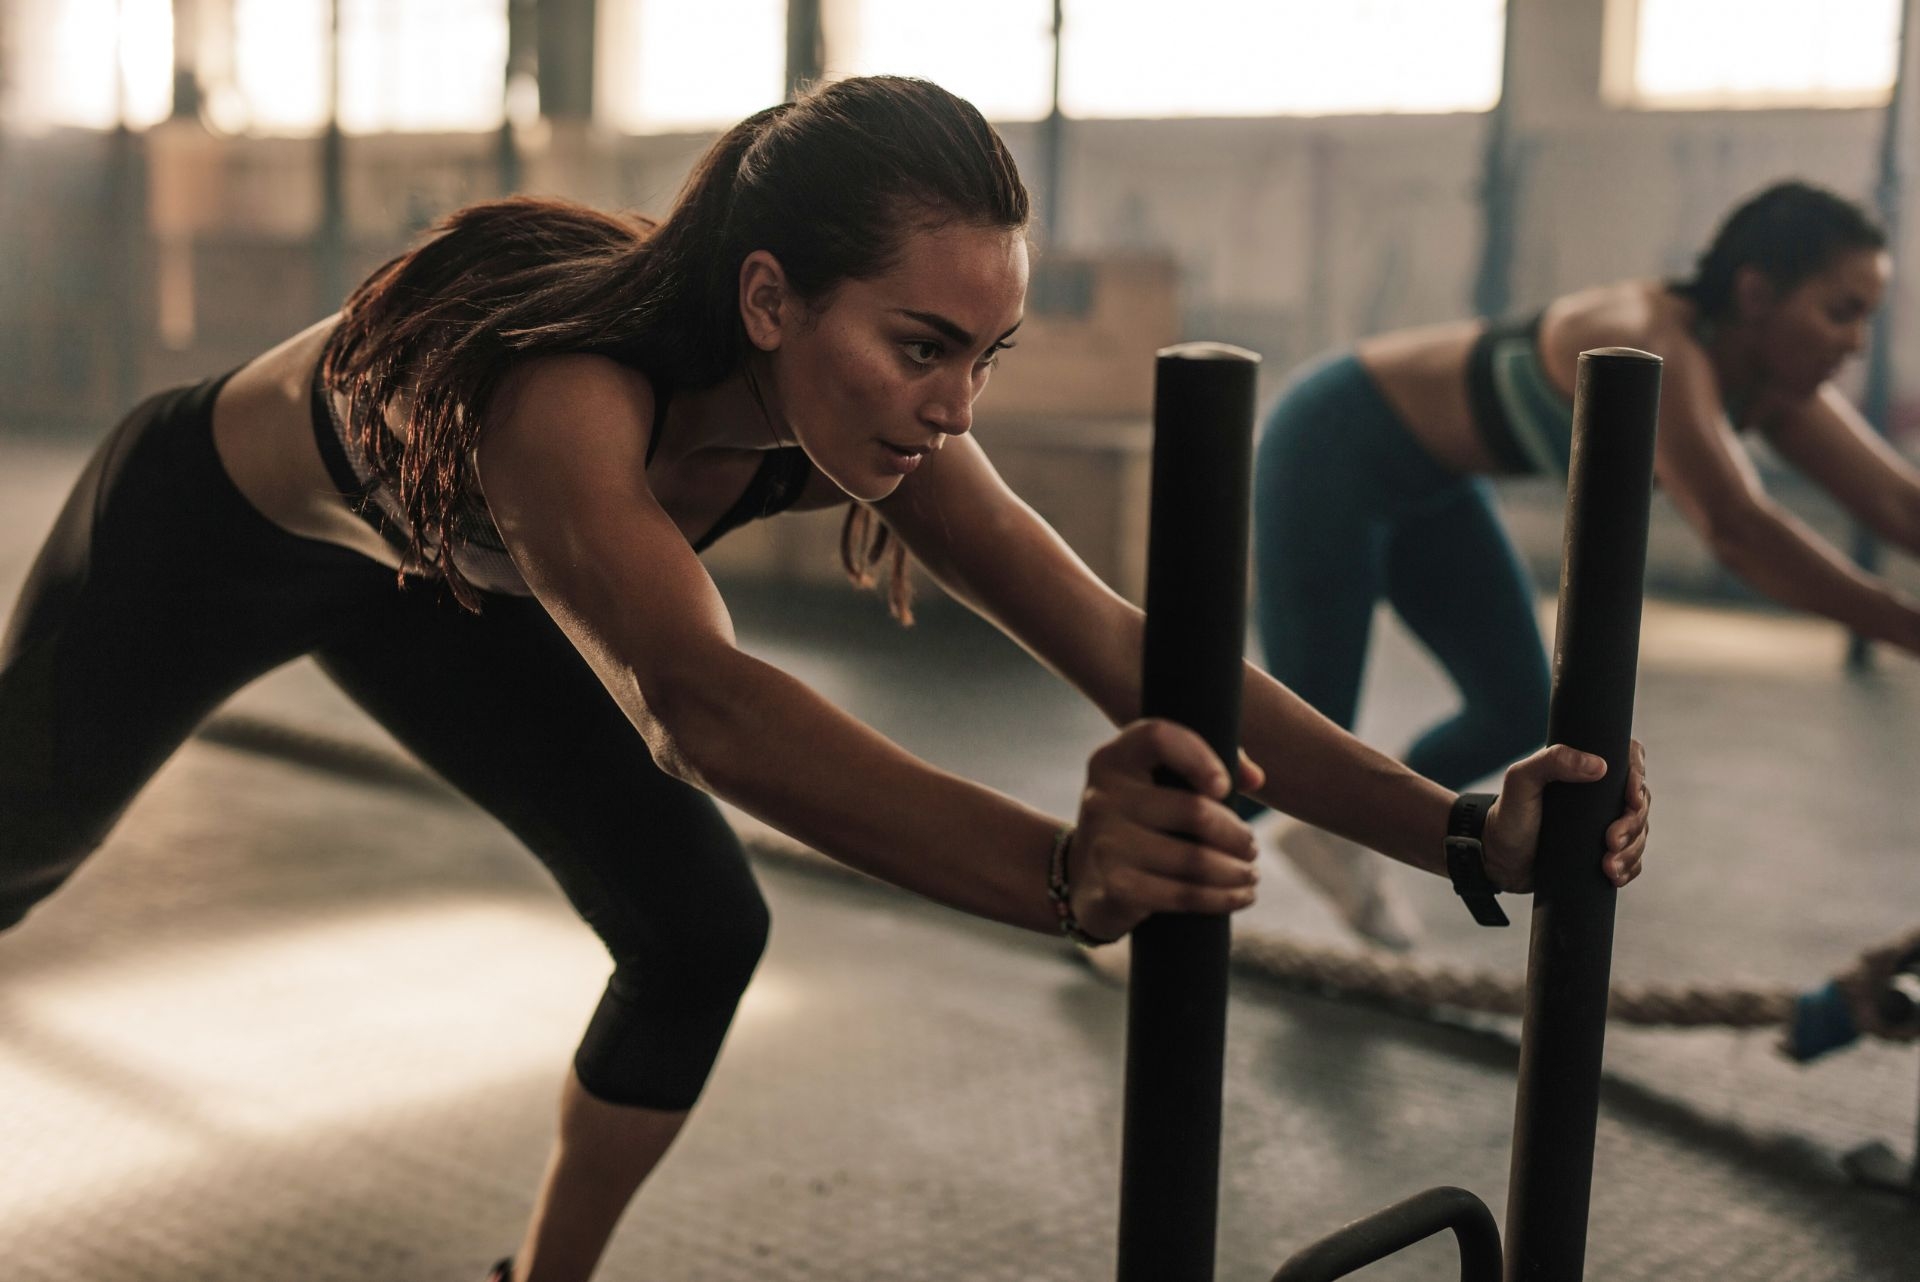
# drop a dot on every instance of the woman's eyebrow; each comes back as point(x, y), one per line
point(935, 321)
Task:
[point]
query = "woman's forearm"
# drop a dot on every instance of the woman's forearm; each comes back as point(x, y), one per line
point(1896, 522)
point(1320, 773)
point(771, 746)
point(1315, 770)
point(1782, 558)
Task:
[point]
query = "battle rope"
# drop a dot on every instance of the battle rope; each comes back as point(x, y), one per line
point(1878, 995)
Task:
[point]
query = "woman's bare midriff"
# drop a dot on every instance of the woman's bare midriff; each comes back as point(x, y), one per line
point(1423, 372)
point(263, 433)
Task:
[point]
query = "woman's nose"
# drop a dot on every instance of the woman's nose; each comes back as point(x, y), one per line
point(950, 409)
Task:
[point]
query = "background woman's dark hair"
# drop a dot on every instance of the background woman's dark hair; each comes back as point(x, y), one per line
point(831, 185)
point(1790, 231)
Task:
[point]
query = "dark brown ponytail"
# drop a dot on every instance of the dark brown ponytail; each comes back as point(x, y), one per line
point(830, 185)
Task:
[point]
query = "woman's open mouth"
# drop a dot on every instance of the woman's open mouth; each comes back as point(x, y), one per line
point(903, 459)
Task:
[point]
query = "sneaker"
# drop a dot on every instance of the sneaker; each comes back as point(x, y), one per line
point(1352, 881)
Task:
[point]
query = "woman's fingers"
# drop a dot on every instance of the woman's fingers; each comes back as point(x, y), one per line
point(1154, 743)
point(1145, 848)
point(1639, 795)
point(1252, 777)
point(1633, 823)
point(1558, 763)
point(1159, 895)
point(1125, 873)
point(1173, 810)
point(1208, 882)
point(1627, 835)
point(1174, 857)
point(1624, 866)
point(1520, 804)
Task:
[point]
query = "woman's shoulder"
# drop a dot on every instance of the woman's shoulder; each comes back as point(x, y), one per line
point(589, 392)
point(1632, 313)
point(1625, 311)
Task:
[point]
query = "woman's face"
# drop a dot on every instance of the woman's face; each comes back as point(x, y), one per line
point(878, 378)
point(1806, 334)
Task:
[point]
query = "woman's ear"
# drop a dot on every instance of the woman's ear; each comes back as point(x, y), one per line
point(1753, 294)
point(767, 305)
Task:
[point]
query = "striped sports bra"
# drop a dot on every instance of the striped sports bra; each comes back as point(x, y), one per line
point(1521, 416)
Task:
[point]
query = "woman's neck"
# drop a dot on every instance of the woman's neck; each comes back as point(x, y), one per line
point(1737, 367)
point(733, 414)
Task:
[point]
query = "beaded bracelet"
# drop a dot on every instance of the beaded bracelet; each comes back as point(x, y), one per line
point(1059, 895)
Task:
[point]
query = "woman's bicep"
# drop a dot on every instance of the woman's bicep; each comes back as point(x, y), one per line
point(978, 538)
point(1697, 458)
point(564, 473)
point(622, 583)
point(990, 549)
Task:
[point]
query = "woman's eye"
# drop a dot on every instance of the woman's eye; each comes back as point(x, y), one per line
point(993, 353)
point(922, 351)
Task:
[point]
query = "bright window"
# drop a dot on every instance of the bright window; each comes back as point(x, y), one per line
point(997, 54)
point(405, 66)
point(1751, 53)
point(279, 85)
point(422, 65)
point(669, 65)
point(1124, 58)
point(90, 63)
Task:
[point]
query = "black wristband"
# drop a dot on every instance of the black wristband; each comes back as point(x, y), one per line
point(1466, 857)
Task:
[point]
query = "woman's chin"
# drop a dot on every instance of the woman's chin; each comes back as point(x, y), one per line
point(866, 486)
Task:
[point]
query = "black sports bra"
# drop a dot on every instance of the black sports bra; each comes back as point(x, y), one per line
point(479, 552)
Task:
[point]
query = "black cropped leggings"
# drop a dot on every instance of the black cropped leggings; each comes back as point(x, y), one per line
point(161, 591)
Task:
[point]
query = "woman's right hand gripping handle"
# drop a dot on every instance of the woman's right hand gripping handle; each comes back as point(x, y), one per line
point(1142, 847)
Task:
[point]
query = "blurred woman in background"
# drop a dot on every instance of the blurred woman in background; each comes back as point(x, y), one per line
point(1370, 484)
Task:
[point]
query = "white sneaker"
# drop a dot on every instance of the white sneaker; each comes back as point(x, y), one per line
point(1353, 882)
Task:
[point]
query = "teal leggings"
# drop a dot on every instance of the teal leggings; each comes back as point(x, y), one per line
point(1348, 508)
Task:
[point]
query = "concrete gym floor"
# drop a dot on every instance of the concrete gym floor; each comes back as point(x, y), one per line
point(291, 1026)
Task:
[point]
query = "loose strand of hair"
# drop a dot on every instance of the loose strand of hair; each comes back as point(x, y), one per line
point(865, 541)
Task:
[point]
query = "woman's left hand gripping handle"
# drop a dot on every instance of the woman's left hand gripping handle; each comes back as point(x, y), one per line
point(1513, 826)
point(1142, 847)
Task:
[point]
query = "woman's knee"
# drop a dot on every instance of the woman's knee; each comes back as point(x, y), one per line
point(659, 1026)
point(721, 947)
point(704, 946)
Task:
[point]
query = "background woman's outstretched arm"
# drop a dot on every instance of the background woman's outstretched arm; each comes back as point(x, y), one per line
point(1708, 474)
